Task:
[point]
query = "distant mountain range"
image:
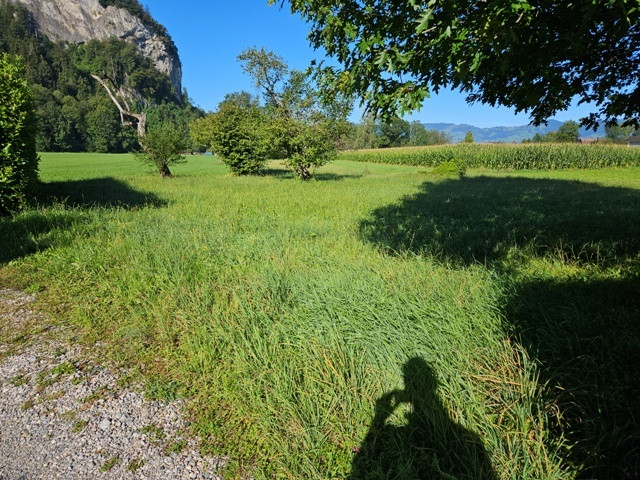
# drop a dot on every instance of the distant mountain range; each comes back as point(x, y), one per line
point(504, 134)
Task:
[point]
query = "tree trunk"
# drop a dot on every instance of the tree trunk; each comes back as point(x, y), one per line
point(304, 172)
point(140, 118)
point(164, 171)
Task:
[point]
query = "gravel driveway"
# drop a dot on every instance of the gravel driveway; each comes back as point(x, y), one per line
point(64, 416)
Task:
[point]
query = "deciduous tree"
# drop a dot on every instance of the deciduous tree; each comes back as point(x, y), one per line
point(236, 132)
point(303, 125)
point(163, 145)
point(533, 55)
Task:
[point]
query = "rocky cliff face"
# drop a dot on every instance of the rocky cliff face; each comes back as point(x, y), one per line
point(78, 21)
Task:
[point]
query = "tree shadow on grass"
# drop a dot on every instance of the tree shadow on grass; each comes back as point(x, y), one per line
point(276, 172)
point(586, 336)
point(333, 177)
point(320, 176)
point(481, 219)
point(97, 192)
point(34, 230)
point(585, 330)
point(428, 445)
point(31, 231)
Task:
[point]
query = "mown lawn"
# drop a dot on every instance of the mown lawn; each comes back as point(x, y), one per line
point(373, 323)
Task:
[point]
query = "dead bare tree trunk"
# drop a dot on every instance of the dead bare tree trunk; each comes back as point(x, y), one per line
point(139, 118)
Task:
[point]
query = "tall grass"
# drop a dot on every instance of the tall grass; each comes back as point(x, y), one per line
point(319, 334)
point(514, 157)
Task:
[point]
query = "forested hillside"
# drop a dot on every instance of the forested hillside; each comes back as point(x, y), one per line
point(74, 111)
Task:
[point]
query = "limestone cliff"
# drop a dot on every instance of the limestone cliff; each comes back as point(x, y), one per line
point(77, 21)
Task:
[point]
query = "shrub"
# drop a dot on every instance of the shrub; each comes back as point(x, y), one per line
point(237, 133)
point(18, 157)
point(163, 146)
point(453, 167)
point(309, 144)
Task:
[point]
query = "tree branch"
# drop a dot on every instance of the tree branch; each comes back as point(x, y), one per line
point(141, 118)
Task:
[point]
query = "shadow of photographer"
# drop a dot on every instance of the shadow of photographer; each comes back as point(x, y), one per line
point(428, 445)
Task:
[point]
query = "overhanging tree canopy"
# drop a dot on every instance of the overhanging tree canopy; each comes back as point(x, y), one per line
point(533, 55)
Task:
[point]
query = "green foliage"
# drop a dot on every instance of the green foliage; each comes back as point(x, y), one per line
point(310, 145)
point(420, 136)
point(568, 132)
point(103, 126)
point(296, 124)
point(451, 168)
point(619, 131)
point(394, 132)
point(365, 134)
point(18, 157)
point(267, 71)
point(163, 145)
point(236, 132)
point(525, 54)
point(302, 125)
point(513, 157)
point(468, 138)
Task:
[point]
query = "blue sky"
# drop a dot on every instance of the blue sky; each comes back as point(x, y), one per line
point(211, 34)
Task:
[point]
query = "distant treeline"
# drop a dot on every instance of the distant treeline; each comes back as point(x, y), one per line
point(74, 112)
point(370, 133)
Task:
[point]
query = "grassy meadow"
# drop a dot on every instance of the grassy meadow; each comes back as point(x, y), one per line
point(373, 323)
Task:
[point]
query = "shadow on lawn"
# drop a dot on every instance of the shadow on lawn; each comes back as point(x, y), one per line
point(481, 219)
point(319, 176)
point(584, 331)
point(429, 445)
point(35, 230)
point(96, 192)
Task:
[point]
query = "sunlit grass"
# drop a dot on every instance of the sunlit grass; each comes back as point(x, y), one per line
point(295, 316)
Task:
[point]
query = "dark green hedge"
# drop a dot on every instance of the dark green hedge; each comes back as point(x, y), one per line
point(18, 157)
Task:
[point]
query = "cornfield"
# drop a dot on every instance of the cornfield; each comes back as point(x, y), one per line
point(496, 156)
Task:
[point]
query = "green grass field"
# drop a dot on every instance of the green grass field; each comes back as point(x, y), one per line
point(373, 323)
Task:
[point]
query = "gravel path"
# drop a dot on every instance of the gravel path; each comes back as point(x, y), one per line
point(63, 416)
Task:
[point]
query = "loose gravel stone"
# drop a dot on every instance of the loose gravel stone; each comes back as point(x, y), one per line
point(64, 416)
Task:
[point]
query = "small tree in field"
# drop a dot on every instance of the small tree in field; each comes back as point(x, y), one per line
point(163, 145)
point(308, 144)
point(18, 157)
point(302, 125)
point(468, 138)
point(236, 132)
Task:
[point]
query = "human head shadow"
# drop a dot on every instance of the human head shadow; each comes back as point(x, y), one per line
point(105, 192)
point(428, 445)
point(481, 219)
point(32, 231)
